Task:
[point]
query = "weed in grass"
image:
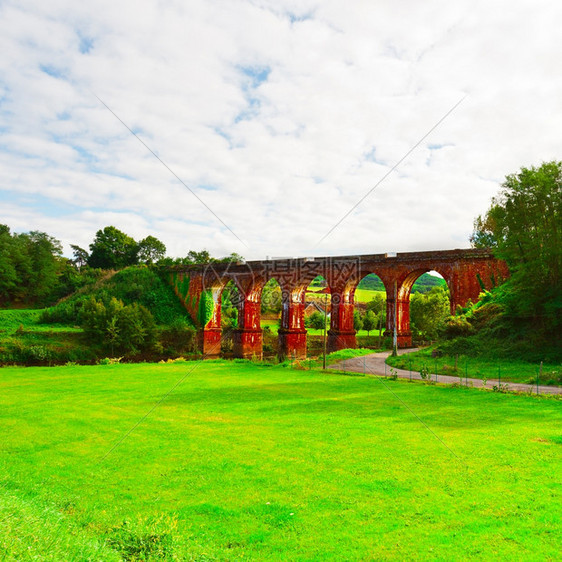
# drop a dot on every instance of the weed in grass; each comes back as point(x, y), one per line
point(141, 544)
point(110, 360)
point(501, 387)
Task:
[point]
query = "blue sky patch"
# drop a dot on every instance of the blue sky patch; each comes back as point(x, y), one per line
point(51, 70)
point(297, 18)
point(371, 156)
point(41, 204)
point(257, 74)
point(86, 44)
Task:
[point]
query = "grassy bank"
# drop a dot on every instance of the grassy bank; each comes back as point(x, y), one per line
point(509, 370)
point(242, 461)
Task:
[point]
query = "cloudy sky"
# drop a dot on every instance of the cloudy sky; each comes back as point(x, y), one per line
point(279, 114)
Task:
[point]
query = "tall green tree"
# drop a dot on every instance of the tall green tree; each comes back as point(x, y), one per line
point(151, 250)
point(112, 249)
point(524, 227)
point(30, 264)
point(428, 313)
point(45, 253)
point(369, 321)
point(80, 256)
point(357, 320)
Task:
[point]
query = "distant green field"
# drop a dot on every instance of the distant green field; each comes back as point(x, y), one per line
point(366, 295)
point(361, 295)
point(242, 461)
point(28, 320)
point(274, 327)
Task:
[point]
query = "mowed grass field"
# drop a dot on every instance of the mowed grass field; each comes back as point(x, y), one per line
point(250, 462)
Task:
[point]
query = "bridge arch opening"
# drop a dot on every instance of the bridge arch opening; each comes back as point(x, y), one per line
point(368, 296)
point(230, 304)
point(316, 313)
point(423, 305)
point(271, 303)
point(317, 305)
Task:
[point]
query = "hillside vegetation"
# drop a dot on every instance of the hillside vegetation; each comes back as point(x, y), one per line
point(132, 313)
point(521, 318)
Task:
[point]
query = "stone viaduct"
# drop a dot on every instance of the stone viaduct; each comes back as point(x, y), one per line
point(200, 287)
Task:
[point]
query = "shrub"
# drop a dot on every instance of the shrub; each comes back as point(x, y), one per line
point(126, 328)
point(178, 338)
point(456, 326)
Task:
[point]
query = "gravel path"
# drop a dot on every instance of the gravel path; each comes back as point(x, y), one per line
point(374, 364)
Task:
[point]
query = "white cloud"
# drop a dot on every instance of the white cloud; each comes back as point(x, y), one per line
point(281, 115)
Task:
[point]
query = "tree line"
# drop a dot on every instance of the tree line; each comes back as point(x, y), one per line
point(523, 226)
point(34, 272)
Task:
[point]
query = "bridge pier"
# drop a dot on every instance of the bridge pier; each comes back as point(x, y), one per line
point(402, 308)
point(248, 344)
point(209, 341)
point(248, 338)
point(341, 335)
point(292, 344)
point(292, 334)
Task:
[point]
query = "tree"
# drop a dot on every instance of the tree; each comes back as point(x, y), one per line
point(30, 266)
point(357, 320)
point(201, 257)
point(81, 256)
point(232, 258)
point(45, 253)
point(8, 273)
point(369, 321)
point(377, 304)
point(524, 227)
point(112, 249)
point(316, 320)
point(150, 250)
point(271, 297)
point(428, 313)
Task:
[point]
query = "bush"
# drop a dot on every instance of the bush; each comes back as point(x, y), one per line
point(123, 328)
point(178, 338)
point(457, 326)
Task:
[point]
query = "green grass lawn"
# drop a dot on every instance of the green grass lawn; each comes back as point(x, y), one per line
point(479, 368)
point(250, 462)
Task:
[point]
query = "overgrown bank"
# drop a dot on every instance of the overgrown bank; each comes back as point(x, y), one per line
point(133, 313)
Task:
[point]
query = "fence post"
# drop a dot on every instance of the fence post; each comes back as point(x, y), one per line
point(466, 373)
point(538, 377)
